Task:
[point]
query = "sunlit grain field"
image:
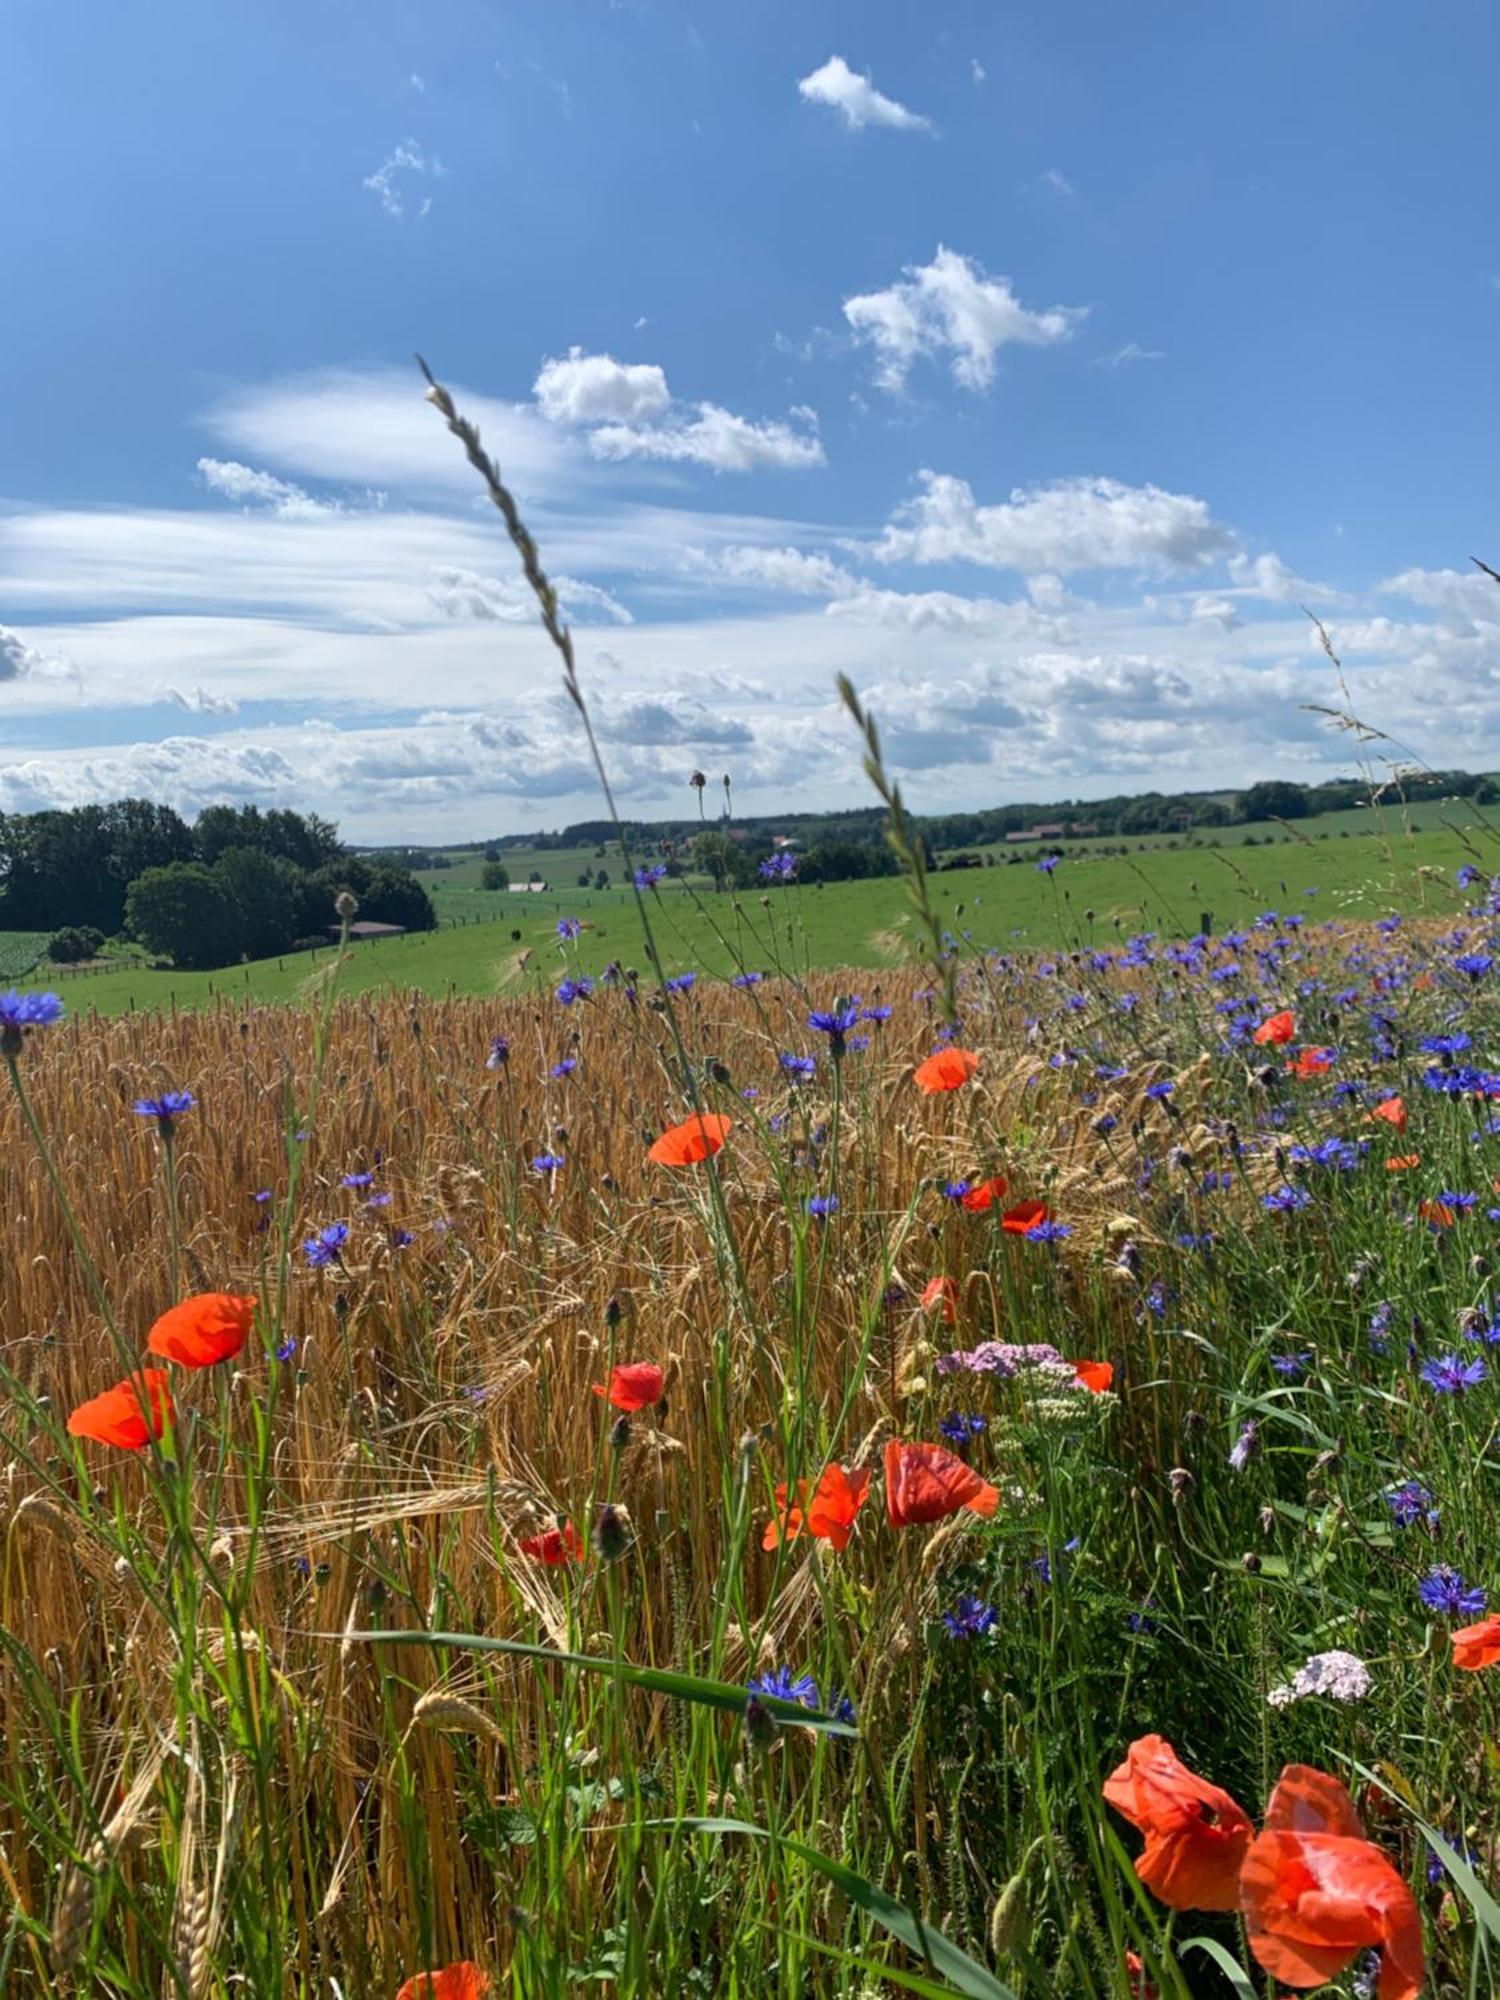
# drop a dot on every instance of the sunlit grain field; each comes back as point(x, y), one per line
point(262, 1730)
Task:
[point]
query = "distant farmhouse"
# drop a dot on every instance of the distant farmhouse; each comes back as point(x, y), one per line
point(527, 888)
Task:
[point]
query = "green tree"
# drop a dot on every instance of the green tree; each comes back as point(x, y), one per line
point(263, 893)
point(494, 875)
point(1273, 798)
point(183, 912)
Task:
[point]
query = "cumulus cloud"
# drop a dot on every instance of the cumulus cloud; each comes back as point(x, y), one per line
point(856, 99)
point(21, 661)
point(940, 610)
point(715, 438)
point(201, 701)
point(388, 181)
point(951, 310)
point(1070, 525)
point(465, 593)
point(791, 570)
point(1468, 596)
point(1268, 577)
point(584, 388)
point(250, 488)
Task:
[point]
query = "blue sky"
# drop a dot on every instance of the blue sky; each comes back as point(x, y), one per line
point(1035, 365)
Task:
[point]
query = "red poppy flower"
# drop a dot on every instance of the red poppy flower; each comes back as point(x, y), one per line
point(463, 1981)
point(949, 1069)
point(1315, 1893)
point(1025, 1215)
point(1436, 1214)
point(1477, 1646)
point(129, 1415)
point(1196, 1835)
point(1095, 1375)
point(633, 1385)
point(829, 1517)
point(213, 1326)
point(1311, 1062)
point(925, 1483)
point(1391, 1111)
point(941, 1292)
point(1401, 1163)
point(984, 1194)
point(696, 1138)
point(554, 1546)
point(1279, 1028)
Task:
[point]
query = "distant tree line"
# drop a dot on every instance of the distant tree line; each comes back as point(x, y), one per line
point(238, 883)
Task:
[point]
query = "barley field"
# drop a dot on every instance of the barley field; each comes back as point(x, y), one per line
point(396, 1649)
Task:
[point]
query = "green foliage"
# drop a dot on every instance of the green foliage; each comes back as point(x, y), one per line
point(494, 875)
point(71, 947)
point(1273, 798)
point(183, 912)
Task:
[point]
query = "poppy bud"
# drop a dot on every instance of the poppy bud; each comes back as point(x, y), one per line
point(1250, 1563)
point(611, 1533)
point(1479, 1266)
point(1182, 1482)
point(760, 1725)
point(614, 1312)
point(619, 1433)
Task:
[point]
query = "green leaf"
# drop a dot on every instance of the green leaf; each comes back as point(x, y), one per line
point(655, 1680)
point(1479, 1899)
point(966, 1975)
point(1228, 1966)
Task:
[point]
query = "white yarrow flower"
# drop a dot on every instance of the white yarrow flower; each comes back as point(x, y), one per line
point(1341, 1676)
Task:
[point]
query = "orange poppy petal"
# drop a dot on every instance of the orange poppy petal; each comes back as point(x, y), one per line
point(1477, 1646)
point(129, 1415)
point(949, 1069)
point(633, 1386)
point(923, 1482)
point(1025, 1215)
point(1279, 1028)
point(1095, 1375)
point(1309, 1801)
point(463, 1981)
point(208, 1328)
point(696, 1138)
point(985, 1194)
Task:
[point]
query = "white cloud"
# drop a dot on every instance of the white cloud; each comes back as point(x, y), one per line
point(1469, 596)
point(715, 437)
point(1268, 577)
point(941, 610)
point(418, 83)
point(199, 701)
point(977, 69)
point(951, 309)
point(1055, 181)
point(386, 181)
point(226, 476)
point(857, 100)
point(1070, 525)
point(465, 593)
point(595, 388)
point(21, 661)
point(785, 569)
point(1132, 351)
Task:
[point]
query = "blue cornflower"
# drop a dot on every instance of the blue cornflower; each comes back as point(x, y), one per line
point(1286, 1200)
point(1047, 863)
point(783, 1685)
point(166, 1109)
point(564, 1068)
point(569, 990)
point(1161, 1091)
point(960, 1428)
point(1048, 1232)
point(378, 1201)
point(798, 1068)
point(1444, 1591)
point(777, 868)
point(568, 927)
point(261, 1194)
point(841, 1708)
point(499, 1054)
point(1291, 1365)
point(647, 878)
point(834, 1022)
point(287, 1348)
point(876, 1014)
point(822, 1205)
point(1467, 875)
point(402, 1238)
point(683, 983)
point(324, 1248)
point(1450, 1374)
point(1437, 1868)
point(357, 1181)
point(955, 1190)
point(747, 979)
point(20, 1011)
point(547, 1163)
point(1445, 1045)
point(1105, 1123)
point(1475, 963)
point(970, 1618)
point(1409, 1503)
point(1460, 1201)
point(1141, 1620)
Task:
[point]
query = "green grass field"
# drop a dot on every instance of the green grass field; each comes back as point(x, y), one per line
point(19, 952)
point(1008, 908)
